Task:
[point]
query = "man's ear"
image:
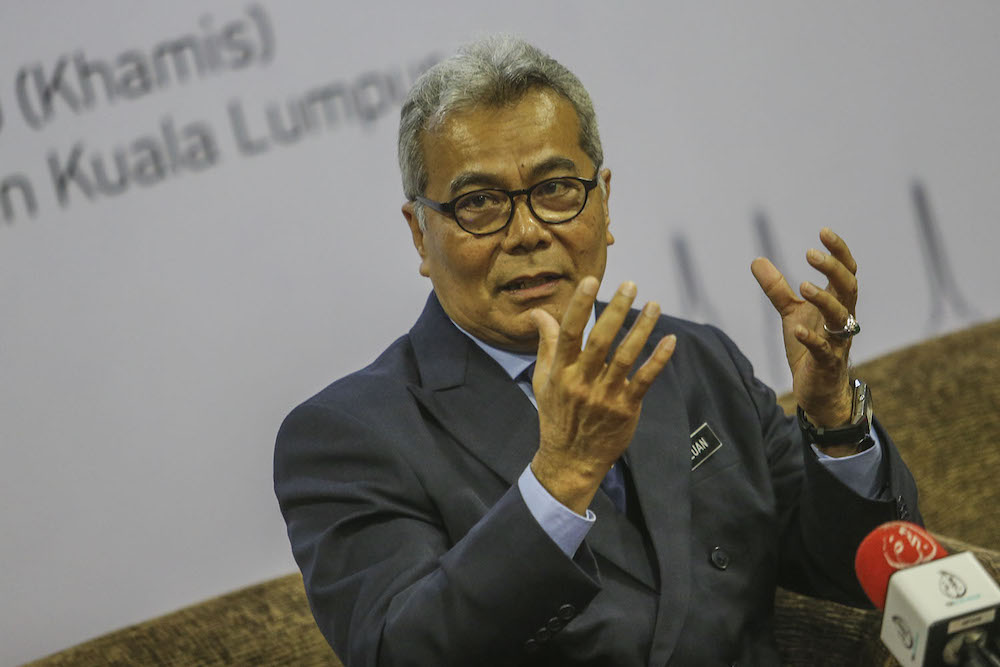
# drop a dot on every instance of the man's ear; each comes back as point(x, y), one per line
point(418, 236)
point(605, 189)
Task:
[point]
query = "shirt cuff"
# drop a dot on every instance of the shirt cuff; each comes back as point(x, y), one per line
point(859, 472)
point(566, 528)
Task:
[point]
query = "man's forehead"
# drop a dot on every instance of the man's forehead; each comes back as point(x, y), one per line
point(537, 135)
point(540, 97)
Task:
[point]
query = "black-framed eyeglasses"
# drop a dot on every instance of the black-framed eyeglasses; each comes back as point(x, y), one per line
point(481, 212)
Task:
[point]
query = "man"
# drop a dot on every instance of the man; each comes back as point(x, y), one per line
point(637, 501)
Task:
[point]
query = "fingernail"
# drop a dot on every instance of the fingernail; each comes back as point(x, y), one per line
point(589, 286)
point(628, 288)
point(651, 309)
point(815, 255)
point(808, 289)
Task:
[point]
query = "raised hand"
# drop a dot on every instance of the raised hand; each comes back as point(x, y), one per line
point(817, 357)
point(588, 409)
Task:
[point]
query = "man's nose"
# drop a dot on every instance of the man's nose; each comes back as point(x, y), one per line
point(525, 230)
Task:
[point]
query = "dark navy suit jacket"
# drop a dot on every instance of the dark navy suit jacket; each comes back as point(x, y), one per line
point(398, 486)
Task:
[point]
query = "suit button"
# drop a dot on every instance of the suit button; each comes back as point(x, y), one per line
point(531, 646)
point(566, 612)
point(543, 635)
point(720, 558)
point(555, 624)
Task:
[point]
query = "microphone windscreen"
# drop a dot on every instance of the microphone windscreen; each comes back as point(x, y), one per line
point(891, 547)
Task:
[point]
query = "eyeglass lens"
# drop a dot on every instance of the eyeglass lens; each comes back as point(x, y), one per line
point(554, 200)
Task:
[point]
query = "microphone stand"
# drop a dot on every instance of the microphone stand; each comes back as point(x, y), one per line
point(974, 651)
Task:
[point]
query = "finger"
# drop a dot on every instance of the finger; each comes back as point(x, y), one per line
point(843, 282)
point(833, 311)
point(643, 378)
point(548, 334)
point(774, 285)
point(574, 321)
point(819, 346)
point(607, 327)
point(838, 248)
point(630, 348)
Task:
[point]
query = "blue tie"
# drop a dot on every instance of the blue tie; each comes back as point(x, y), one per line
point(613, 483)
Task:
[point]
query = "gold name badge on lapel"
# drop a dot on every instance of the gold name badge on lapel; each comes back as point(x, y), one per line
point(704, 443)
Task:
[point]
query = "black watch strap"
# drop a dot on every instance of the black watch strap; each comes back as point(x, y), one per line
point(857, 431)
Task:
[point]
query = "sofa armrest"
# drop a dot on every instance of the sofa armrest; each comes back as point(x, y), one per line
point(264, 624)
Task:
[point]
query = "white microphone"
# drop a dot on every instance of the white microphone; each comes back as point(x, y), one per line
point(940, 610)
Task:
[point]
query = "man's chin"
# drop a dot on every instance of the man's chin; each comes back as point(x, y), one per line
point(524, 341)
point(523, 345)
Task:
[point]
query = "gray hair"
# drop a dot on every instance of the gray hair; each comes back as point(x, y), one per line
point(493, 72)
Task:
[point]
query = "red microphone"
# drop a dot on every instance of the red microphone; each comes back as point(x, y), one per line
point(893, 546)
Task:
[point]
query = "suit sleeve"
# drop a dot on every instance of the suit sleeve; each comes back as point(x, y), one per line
point(386, 583)
point(822, 520)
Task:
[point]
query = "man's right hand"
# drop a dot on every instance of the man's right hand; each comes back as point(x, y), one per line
point(588, 409)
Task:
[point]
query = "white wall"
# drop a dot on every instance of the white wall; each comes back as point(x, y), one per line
point(151, 341)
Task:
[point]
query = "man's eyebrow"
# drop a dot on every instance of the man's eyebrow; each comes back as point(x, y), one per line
point(554, 163)
point(467, 178)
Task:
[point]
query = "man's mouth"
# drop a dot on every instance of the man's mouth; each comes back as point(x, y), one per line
point(529, 282)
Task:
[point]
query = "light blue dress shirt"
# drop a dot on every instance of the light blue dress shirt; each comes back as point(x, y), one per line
point(860, 472)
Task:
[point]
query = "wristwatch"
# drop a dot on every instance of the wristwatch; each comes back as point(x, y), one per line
point(857, 431)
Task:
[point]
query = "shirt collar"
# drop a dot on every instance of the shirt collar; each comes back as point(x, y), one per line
point(514, 363)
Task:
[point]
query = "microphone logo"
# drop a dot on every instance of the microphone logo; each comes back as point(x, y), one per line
point(951, 585)
point(905, 634)
point(907, 545)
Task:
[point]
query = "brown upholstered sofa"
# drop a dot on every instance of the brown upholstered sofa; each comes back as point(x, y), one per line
point(939, 399)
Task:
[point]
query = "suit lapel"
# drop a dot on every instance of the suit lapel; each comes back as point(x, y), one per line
point(659, 460)
point(471, 396)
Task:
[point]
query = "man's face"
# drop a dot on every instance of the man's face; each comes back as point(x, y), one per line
point(489, 284)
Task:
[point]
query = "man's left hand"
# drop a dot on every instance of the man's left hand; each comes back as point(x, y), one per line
point(817, 359)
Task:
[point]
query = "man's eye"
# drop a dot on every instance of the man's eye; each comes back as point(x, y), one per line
point(478, 200)
point(553, 188)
